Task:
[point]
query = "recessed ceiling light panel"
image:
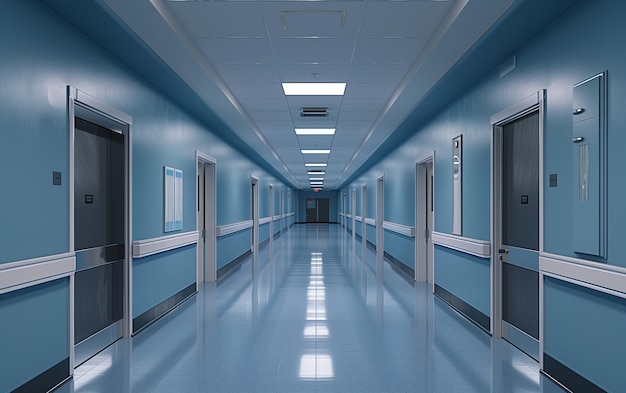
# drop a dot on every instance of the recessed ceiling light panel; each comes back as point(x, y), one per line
point(319, 151)
point(315, 178)
point(314, 89)
point(315, 131)
point(315, 164)
point(316, 173)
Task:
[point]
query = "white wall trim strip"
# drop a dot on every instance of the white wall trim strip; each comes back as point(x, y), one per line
point(358, 218)
point(370, 221)
point(399, 228)
point(479, 248)
point(144, 248)
point(594, 275)
point(265, 220)
point(224, 230)
point(22, 274)
point(277, 217)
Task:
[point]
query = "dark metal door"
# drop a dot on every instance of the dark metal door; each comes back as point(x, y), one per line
point(99, 233)
point(519, 250)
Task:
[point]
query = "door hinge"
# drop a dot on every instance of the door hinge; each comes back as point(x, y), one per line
point(204, 234)
point(426, 233)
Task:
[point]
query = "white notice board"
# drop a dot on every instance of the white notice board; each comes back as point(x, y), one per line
point(173, 198)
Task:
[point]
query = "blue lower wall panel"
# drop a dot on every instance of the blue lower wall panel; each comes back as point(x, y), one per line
point(230, 247)
point(584, 331)
point(371, 234)
point(158, 277)
point(465, 276)
point(34, 335)
point(264, 232)
point(401, 247)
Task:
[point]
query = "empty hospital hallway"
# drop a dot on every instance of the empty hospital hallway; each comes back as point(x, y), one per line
point(314, 311)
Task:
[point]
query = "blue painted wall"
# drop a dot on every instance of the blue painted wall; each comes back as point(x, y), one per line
point(44, 59)
point(466, 276)
point(32, 342)
point(157, 277)
point(584, 329)
point(551, 60)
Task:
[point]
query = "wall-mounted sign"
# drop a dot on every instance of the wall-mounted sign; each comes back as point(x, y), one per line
point(457, 185)
point(173, 197)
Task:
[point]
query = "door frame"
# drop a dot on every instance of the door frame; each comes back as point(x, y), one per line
point(423, 270)
point(271, 211)
point(364, 214)
point(288, 213)
point(535, 102)
point(353, 211)
point(92, 109)
point(344, 219)
point(380, 215)
point(254, 181)
point(206, 267)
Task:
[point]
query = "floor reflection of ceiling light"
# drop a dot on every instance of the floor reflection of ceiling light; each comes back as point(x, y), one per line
point(524, 370)
point(318, 314)
point(324, 367)
point(307, 367)
point(316, 367)
point(311, 331)
point(85, 379)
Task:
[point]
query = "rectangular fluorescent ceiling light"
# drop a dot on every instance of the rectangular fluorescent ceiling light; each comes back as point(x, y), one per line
point(315, 131)
point(316, 164)
point(314, 89)
point(320, 151)
point(316, 178)
point(316, 182)
point(316, 173)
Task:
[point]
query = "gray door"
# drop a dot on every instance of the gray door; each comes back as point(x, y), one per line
point(317, 210)
point(99, 233)
point(322, 210)
point(519, 250)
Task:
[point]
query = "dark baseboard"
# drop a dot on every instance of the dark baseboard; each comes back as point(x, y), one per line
point(224, 270)
point(48, 379)
point(400, 266)
point(471, 313)
point(162, 308)
point(264, 243)
point(370, 245)
point(567, 377)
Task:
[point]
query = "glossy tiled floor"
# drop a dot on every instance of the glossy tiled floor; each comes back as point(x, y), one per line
point(315, 312)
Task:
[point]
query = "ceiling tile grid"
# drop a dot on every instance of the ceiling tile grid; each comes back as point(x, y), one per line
point(253, 46)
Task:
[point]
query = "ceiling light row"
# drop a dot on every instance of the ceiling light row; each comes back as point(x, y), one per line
point(315, 89)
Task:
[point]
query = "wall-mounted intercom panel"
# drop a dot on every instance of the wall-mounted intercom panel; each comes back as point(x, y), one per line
point(589, 143)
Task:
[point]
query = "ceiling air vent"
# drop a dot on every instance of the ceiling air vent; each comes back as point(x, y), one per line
point(314, 112)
